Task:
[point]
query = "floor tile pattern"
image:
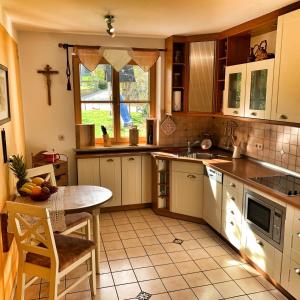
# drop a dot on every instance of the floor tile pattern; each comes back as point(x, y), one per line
point(146, 256)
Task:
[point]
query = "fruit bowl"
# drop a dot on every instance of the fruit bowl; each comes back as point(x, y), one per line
point(40, 197)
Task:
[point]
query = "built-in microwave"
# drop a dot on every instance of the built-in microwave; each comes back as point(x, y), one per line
point(265, 217)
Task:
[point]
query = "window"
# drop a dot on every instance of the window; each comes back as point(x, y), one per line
point(116, 100)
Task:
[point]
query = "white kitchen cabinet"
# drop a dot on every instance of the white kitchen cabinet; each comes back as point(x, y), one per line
point(146, 179)
point(131, 180)
point(110, 177)
point(234, 93)
point(286, 91)
point(259, 88)
point(212, 201)
point(263, 254)
point(88, 170)
point(187, 189)
point(291, 276)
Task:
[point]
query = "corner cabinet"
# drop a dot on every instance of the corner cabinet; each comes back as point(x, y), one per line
point(286, 99)
point(187, 188)
point(234, 93)
point(248, 89)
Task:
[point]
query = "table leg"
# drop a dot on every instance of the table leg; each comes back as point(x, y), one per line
point(97, 238)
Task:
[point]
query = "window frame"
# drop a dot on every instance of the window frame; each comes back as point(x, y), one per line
point(117, 139)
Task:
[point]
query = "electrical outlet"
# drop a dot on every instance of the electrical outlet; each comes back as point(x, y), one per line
point(61, 137)
point(259, 146)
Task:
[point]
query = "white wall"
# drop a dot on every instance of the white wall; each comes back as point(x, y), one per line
point(43, 123)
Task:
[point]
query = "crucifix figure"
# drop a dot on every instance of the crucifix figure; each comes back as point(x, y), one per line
point(48, 72)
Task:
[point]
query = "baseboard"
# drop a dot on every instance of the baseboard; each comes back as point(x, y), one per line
point(125, 207)
point(166, 213)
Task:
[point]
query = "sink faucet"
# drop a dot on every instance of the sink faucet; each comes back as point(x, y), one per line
point(191, 145)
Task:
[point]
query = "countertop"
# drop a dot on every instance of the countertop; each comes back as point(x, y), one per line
point(241, 169)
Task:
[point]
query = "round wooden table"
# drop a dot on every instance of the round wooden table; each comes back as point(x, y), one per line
point(80, 198)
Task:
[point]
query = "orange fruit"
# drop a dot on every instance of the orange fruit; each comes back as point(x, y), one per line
point(36, 190)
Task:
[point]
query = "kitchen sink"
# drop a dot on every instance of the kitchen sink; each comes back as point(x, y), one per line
point(201, 155)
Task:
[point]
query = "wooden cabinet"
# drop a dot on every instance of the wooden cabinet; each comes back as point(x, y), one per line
point(263, 254)
point(259, 88)
point(146, 179)
point(235, 88)
point(286, 92)
point(131, 180)
point(187, 189)
point(248, 89)
point(232, 211)
point(110, 177)
point(88, 170)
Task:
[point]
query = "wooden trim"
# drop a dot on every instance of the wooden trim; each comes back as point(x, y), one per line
point(165, 212)
point(202, 37)
point(125, 207)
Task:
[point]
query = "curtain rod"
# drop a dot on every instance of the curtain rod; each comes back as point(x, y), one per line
point(66, 46)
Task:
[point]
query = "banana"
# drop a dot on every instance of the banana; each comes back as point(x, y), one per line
point(26, 190)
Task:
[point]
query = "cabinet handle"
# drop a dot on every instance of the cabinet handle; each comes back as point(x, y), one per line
point(297, 271)
point(231, 184)
point(231, 223)
point(253, 114)
point(110, 160)
point(283, 117)
point(131, 158)
point(298, 234)
point(260, 243)
point(232, 198)
point(235, 112)
point(232, 212)
point(191, 176)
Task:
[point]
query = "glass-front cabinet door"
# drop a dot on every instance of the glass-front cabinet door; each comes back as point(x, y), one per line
point(259, 89)
point(234, 93)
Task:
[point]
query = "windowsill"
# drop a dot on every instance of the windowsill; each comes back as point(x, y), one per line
point(115, 148)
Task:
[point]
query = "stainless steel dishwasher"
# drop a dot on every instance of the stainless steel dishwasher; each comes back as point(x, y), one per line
point(212, 197)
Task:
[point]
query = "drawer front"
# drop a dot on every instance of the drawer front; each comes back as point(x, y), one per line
point(294, 279)
point(231, 229)
point(186, 167)
point(234, 214)
point(60, 169)
point(232, 200)
point(260, 252)
point(233, 186)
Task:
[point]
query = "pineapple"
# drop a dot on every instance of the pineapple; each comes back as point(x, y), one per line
point(17, 165)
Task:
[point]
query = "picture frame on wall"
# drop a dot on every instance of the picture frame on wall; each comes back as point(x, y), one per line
point(4, 96)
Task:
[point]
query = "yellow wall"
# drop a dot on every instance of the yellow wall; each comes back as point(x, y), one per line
point(15, 144)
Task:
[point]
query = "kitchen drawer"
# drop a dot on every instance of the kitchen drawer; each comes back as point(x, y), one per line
point(232, 200)
point(234, 214)
point(61, 168)
point(231, 229)
point(233, 186)
point(186, 167)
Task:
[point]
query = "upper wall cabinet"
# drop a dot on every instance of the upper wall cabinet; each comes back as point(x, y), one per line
point(248, 89)
point(234, 94)
point(259, 80)
point(189, 76)
point(286, 92)
point(201, 76)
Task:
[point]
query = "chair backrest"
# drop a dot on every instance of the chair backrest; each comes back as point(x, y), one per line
point(43, 170)
point(33, 231)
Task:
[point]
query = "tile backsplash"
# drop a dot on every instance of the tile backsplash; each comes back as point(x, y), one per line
point(281, 144)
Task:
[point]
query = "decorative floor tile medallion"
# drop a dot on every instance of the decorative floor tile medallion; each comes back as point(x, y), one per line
point(178, 241)
point(143, 296)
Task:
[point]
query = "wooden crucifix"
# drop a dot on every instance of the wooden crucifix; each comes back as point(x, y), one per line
point(47, 71)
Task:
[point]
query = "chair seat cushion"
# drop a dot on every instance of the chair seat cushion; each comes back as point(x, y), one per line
point(75, 219)
point(69, 250)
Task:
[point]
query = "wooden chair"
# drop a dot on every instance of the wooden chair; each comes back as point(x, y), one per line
point(45, 254)
point(74, 222)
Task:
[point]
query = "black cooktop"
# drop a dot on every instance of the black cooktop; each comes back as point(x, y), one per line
point(286, 184)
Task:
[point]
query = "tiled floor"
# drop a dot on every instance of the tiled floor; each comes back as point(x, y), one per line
point(145, 256)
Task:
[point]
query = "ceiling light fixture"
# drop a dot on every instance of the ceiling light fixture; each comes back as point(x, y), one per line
point(109, 19)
